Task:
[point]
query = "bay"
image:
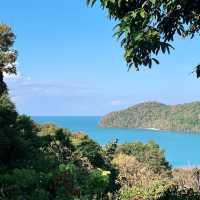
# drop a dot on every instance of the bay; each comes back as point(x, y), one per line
point(181, 149)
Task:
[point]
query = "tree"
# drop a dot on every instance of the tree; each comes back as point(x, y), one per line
point(8, 55)
point(91, 150)
point(110, 150)
point(149, 154)
point(147, 27)
point(8, 117)
point(19, 143)
point(132, 172)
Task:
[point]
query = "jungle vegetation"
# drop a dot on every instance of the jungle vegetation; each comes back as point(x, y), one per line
point(182, 117)
point(45, 162)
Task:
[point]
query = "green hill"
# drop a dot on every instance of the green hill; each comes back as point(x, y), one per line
point(184, 117)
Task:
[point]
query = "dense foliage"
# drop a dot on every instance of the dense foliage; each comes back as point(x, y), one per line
point(19, 143)
point(132, 172)
point(44, 162)
point(187, 178)
point(37, 165)
point(183, 117)
point(158, 190)
point(8, 55)
point(147, 27)
point(149, 154)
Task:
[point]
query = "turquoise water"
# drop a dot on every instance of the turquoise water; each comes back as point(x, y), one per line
point(182, 149)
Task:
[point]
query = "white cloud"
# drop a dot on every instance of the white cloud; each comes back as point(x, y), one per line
point(60, 98)
point(26, 87)
point(116, 102)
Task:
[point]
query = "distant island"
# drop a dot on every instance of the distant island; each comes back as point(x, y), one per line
point(156, 116)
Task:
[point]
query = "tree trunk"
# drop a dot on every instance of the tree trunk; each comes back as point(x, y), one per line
point(3, 87)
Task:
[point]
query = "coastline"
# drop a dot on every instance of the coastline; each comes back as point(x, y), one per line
point(153, 129)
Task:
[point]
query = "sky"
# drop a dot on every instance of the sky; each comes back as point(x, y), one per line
point(70, 64)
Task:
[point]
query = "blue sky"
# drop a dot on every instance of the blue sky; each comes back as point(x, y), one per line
point(70, 64)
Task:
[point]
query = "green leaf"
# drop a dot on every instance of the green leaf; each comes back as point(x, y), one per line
point(153, 1)
point(156, 61)
point(142, 13)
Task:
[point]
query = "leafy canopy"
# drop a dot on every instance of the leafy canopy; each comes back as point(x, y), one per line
point(149, 154)
point(147, 27)
point(8, 55)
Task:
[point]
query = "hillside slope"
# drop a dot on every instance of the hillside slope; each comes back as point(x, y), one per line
point(185, 117)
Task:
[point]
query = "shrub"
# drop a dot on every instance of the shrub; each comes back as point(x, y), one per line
point(19, 144)
point(155, 191)
point(132, 172)
point(98, 181)
point(91, 150)
point(158, 190)
point(149, 153)
point(187, 178)
point(25, 184)
point(110, 150)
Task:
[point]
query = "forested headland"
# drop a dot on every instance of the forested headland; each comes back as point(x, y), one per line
point(182, 117)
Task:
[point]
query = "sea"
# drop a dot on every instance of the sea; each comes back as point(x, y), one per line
point(181, 149)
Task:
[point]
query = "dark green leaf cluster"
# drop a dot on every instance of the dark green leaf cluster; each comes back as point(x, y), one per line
point(147, 27)
point(19, 143)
